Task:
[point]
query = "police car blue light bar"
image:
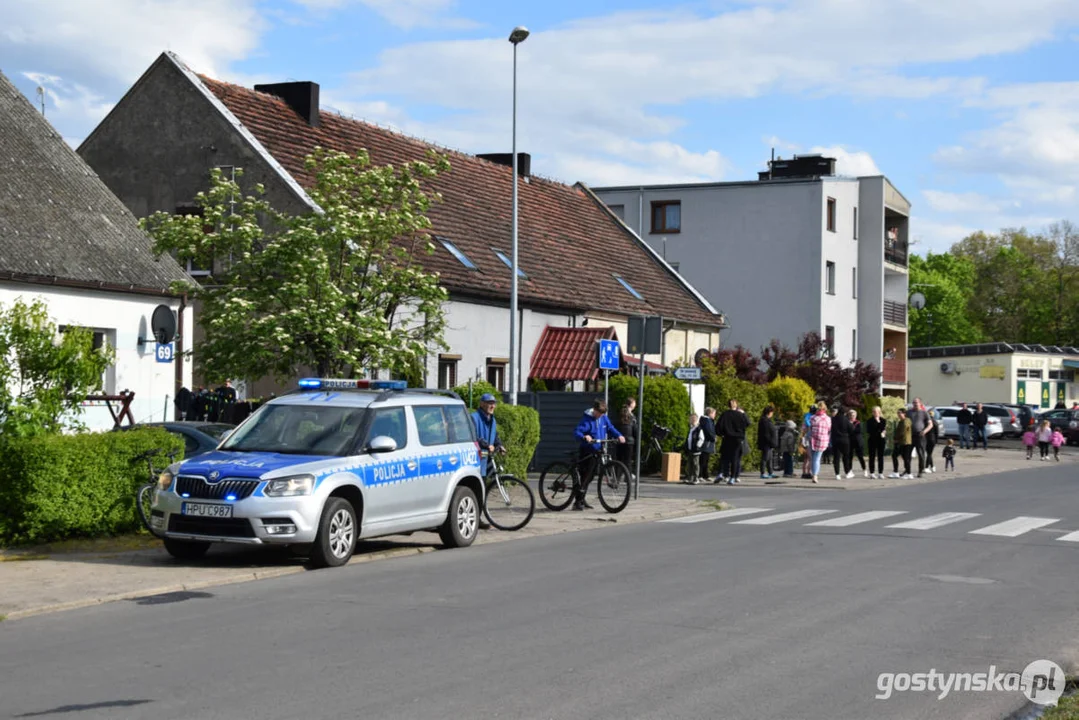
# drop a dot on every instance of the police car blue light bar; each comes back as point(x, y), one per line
point(346, 384)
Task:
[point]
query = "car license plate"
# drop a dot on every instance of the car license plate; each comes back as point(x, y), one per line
point(206, 510)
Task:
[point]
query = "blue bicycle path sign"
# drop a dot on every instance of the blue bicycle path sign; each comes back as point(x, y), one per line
point(608, 355)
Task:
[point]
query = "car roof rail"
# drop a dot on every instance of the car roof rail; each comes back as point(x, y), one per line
point(387, 394)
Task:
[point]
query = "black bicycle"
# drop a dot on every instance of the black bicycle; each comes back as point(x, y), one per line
point(658, 434)
point(559, 481)
point(144, 496)
point(508, 502)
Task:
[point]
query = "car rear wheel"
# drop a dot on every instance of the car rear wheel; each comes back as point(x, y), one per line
point(463, 521)
point(337, 534)
point(186, 549)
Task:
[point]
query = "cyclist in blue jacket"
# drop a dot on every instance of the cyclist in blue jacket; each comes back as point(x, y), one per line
point(487, 428)
point(594, 426)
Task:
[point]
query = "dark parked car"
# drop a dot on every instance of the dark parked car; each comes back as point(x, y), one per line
point(199, 437)
point(1062, 420)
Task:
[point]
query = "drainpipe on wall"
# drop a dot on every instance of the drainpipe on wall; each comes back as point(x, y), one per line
point(179, 355)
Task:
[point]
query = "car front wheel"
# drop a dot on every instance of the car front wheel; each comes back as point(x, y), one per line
point(462, 521)
point(337, 533)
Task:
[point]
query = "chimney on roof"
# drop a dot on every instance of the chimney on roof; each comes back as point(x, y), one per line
point(800, 166)
point(524, 161)
point(300, 96)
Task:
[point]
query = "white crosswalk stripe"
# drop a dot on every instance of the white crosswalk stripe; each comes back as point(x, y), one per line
point(1070, 537)
point(782, 517)
point(1015, 527)
point(934, 521)
point(720, 515)
point(864, 517)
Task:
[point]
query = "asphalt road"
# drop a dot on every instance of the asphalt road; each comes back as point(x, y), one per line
point(718, 618)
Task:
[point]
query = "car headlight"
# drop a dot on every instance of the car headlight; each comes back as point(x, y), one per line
point(290, 486)
point(1073, 424)
point(164, 481)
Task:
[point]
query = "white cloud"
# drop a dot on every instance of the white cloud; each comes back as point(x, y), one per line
point(405, 14)
point(966, 202)
point(849, 163)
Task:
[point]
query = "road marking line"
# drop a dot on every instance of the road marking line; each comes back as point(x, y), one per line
point(735, 512)
point(934, 521)
point(1015, 527)
point(864, 517)
point(783, 517)
point(1070, 537)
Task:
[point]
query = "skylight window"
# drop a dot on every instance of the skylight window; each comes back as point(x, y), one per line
point(628, 287)
point(456, 252)
point(502, 256)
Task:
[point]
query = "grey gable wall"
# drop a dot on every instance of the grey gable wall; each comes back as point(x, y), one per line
point(156, 148)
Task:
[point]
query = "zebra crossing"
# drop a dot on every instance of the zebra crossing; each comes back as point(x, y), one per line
point(893, 519)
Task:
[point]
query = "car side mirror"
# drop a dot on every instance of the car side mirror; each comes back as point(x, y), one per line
point(382, 444)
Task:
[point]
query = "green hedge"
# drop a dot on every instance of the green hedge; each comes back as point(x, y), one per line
point(479, 387)
point(666, 403)
point(519, 430)
point(54, 487)
point(720, 387)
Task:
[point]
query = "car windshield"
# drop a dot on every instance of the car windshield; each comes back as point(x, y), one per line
point(216, 430)
point(299, 430)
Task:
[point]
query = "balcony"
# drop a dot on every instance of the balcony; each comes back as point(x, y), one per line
point(895, 249)
point(895, 313)
point(894, 370)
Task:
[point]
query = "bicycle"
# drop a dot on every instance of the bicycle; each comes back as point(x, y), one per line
point(657, 435)
point(560, 480)
point(144, 496)
point(508, 502)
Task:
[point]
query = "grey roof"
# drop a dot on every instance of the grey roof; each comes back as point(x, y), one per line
point(997, 348)
point(59, 223)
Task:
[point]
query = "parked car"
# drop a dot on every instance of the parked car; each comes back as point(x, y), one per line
point(1060, 419)
point(1009, 418)
point(950, 424)
point(1027, 414)
point(199, 437)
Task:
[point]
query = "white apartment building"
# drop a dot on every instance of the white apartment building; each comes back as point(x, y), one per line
point(800, 249)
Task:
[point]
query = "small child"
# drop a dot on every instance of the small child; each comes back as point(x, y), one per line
point(1029, 440)
point(1057, 440)
point(1045, 435)
point(949, 455)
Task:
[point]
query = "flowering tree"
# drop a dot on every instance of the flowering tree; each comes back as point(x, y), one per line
point(339, 290)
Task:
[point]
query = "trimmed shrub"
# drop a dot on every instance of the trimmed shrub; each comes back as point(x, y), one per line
point(722, 385)
point(479, 387)
point(54, 487)
point(791, 398)
point(519, 430)
point(888, 407)
point(666, 403)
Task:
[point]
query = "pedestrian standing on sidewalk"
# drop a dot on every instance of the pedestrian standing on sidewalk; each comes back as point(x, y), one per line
point(731, 426)
point(931, 439)
point(1045, 436)
point(1029, 441)
point(767, 441)
point(803, 440)
point(1057, 440)
point(820, 432)
point(788, 446)
point(856, 442)
point(964, 418)
point(902, 445)
point(627, 425)
point(949, 455)
point(708, 429)
point(920, 425)
point(876, 427)
point(981, 419)
point(841, 444)
point(692, 448)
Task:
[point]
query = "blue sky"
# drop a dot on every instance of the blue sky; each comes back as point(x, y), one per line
point(972, 113)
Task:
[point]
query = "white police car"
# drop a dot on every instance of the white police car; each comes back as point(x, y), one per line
point(327, 465)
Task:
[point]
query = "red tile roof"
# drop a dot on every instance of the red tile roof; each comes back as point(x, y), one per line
point(570, 245)
point(568, 353)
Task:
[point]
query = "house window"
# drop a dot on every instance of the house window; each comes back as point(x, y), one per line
point(447, 371)
point(855, 223)
point(195, 269)
point(496, 372)
point(854, 283)
point(1062, 375)
point(667, 216)
point(829, 341)
point(628, 287)
point(1029, 374)
point(101, 338)
point(853, 345)
point(453, 250)
point(829, 277)
point(509, 263)
point(831, 214)
point(619, 210)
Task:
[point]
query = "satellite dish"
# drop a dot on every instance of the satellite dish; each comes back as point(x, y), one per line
point(699, 356)
point(917, 301)
point(163, 324)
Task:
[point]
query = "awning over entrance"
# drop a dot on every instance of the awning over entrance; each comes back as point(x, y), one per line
point(1071, 363)
point(568, 353)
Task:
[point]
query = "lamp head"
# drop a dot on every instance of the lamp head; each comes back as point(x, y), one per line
point(519, 34)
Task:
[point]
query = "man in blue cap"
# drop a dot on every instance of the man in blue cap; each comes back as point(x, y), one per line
point(487, 428)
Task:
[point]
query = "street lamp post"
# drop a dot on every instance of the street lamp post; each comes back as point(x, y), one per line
point(516, 37)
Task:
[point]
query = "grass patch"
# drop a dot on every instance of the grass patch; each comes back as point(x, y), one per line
point(1068, 707)
point(83, 546)
point(714, 504)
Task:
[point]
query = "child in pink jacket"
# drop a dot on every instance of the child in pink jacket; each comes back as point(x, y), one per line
point(1029, 440)
point(1057, 440)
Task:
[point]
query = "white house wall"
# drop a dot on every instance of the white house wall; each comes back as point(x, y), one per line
point(122, 317)
point(986, 378)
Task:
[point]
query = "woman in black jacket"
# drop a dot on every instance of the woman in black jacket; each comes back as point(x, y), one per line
point(767, 441)
point(875, 428)
point(856, 442)
point(841, 442)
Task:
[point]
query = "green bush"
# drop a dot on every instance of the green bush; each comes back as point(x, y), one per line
point(666, 403)
point(537, 385)
point(888, 407)
point(791, 397)
point(479, 387)
point(519, 430)
point(54, 487)
point(720, 387)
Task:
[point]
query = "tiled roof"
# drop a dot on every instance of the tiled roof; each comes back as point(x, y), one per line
point(570, 246)
point(59, 223)
point(568, 353)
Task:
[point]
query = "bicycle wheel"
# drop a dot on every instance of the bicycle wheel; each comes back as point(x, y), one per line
point(614, 486)
point(143, 500)
point(556, 486)
point(509, 503)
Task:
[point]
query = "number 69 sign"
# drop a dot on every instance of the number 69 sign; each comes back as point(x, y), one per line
point(164, 352)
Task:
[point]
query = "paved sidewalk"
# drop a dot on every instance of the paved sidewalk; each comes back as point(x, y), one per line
point(1005, 456)
point(39, 580)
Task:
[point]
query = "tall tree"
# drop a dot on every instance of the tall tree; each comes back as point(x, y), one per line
point(948, 283)
point(340, 290)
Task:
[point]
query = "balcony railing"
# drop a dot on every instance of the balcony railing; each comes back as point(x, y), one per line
point(895, 313)
point(894, 370)
point(895, 250)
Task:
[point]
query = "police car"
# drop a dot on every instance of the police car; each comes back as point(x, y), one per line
point(327, 465)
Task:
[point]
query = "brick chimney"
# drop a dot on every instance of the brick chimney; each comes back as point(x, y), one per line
point(300, 96)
